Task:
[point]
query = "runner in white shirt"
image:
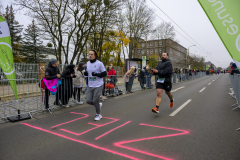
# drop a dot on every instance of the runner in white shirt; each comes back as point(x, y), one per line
point(95, 73)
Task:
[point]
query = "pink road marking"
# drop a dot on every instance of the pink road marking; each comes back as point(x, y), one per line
point(120, 144)
point(86, 115)
point(83, 142)
point(95, 124)
point(98, 126)
point(112, 130)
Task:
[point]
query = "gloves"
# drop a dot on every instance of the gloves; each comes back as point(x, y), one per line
point(95, 74)
point(86, 73)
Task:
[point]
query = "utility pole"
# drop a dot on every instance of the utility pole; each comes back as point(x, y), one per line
point(188, 54)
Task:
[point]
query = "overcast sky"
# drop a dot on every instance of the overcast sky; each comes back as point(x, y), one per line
point(188, 15)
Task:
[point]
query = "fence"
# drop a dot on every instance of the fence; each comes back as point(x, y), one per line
point(31, 97)
point(234, 90)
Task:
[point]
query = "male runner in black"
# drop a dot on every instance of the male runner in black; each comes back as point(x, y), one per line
point(164, 77)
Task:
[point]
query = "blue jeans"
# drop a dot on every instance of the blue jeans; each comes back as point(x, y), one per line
point(86, 88)
point(148, 82)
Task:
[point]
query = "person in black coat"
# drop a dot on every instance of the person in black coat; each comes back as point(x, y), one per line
point(67, 83)
point(51, 72)
point(142, 78)
point(234, 69)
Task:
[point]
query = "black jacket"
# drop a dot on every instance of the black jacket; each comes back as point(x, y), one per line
point(235, 70)
point(66, 85)
point(51, 72)
point(165, 70)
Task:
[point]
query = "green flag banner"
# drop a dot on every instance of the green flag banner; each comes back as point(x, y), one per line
point(6, 56)
point(225, 18)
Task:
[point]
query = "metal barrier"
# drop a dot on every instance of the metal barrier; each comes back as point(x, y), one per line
point(235, 87)
point(32, 99)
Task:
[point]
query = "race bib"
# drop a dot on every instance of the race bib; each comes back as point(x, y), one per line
point(161, 80)
point(92, 79)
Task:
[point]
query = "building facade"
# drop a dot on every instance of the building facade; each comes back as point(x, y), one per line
point(177, 53)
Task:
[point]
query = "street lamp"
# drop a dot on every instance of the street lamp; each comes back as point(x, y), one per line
point(188, 53)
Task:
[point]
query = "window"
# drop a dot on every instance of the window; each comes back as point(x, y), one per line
point(151, 44)
point(156, 51)
point(147, 44)
point(139, 52)
point(151, 51)
point(160, 50)
point(160, 43)
point(143, 44)
point(156, 43)
point(147, 51)
point(142, 52)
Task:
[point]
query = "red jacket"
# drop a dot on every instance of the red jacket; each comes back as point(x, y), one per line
point(111, 72)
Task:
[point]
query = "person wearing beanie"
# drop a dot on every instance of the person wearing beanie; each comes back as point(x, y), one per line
point(234, 69)
point(95, 73)
point(51, 72)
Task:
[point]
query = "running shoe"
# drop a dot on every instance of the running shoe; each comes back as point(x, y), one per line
point(79, 102)
point(98, 117)
point(155, 110)
point(171, 104)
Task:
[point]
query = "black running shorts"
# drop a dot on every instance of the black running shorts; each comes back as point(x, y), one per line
point(166, 86)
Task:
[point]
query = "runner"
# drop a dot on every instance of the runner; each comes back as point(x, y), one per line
point(95, 73)
point(164, 75)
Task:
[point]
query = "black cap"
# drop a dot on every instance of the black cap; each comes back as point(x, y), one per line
point(81, 64)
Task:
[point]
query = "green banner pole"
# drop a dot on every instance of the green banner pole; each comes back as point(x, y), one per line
point(6, 56)
point(225, 18)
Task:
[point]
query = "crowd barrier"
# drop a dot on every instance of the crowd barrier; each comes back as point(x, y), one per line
point(234, 90)
point(31, 98)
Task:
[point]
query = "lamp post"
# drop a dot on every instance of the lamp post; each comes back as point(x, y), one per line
point(188, 53)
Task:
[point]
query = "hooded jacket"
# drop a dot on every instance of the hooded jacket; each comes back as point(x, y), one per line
point(234, 69)
point(165, 70)
point(51, 72)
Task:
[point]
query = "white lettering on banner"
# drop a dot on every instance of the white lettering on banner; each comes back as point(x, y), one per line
point(232, 29)
point(4, 31)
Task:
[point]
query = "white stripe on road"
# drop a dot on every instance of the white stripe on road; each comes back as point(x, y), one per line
point(202, 89)
point(177, 89)
point(180, 108)
point(213, 80)
point(209, 83)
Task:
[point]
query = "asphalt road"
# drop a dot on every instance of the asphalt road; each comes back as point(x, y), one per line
point(200, 126)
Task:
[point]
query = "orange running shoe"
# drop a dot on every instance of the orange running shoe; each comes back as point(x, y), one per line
point(155, 110)
point(171, 104)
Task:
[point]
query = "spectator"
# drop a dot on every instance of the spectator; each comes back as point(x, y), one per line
point(234, 69)
point(78, 83)
point(126, 79)
point(148, 77)
point(51, 72)
point(141, 78)
point(67, 83)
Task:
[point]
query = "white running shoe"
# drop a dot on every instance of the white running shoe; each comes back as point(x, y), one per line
point(98, 117)
point(79, 102)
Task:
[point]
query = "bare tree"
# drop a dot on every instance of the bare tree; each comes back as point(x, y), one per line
point(68, 23)
point(139, 21)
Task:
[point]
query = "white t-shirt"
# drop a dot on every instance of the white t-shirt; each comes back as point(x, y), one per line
point(97, 67)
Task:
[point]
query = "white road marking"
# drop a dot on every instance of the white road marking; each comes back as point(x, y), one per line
point(180, 108)
point(209, 83)
point(178, 89)
point(212, 80)
point(202, 89)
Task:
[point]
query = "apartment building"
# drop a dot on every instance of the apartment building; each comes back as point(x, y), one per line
point(177, 53)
